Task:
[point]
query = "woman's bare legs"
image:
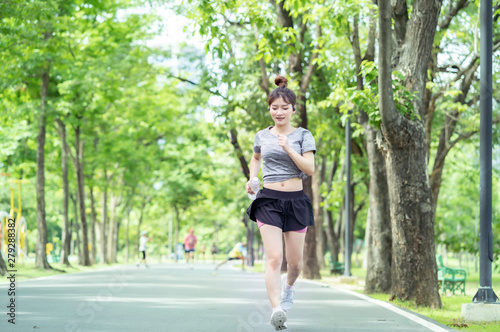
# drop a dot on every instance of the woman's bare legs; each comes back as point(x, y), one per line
point(273, 245)
point(294, 246)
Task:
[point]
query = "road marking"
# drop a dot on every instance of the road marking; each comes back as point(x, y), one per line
point(431, 326)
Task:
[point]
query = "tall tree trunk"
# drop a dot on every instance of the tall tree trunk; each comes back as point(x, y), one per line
point(71, 242)
point(64, 167)
point(93, 252)
point(127, 240)
point(296, 66)
point(117, 232)
point(239, 153)
point(311, 267)
point(104, 223)
point(445, 138)
point(170, 243)
point(339, 228)
point(77, 228)
point(113, 230)
point(352, 221)
point(318, 212)
point(250, 235)
point(379, 235)
point(41, 224)
point(176, 231)
point(79, 145)
point(3, 267)
point(378, 229)
point(414, 272)
point(331, 235)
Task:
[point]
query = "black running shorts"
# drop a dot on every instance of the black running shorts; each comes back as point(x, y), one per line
point(288, 210)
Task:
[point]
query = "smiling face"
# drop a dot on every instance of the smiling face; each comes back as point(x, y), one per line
point(281, 112)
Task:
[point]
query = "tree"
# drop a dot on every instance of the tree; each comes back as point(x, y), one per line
point(378, 226)
point(32, 43)
point(64, 167)
point(451, 100)
point(414, 265)
point(258, 38)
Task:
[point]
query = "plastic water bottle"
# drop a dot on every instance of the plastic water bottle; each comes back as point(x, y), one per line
point(255, 185)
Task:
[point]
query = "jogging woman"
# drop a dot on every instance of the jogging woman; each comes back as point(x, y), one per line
point(282, 207)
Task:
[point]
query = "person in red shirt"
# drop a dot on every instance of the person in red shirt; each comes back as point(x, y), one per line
point(189, 244)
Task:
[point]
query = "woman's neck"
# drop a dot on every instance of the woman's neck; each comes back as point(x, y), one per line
point(283, 130)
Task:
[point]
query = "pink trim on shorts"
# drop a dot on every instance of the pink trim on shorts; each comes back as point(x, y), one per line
point(303, 230)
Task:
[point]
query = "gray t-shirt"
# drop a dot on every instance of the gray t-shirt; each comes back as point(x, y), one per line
point(278, 166)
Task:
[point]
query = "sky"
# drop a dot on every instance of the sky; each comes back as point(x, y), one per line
point(178, 30)
point(173, 33)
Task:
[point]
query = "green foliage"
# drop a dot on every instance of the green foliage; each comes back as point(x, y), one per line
point(144, 134)
point(403, 97)
point(457, 215)
point(149, 137)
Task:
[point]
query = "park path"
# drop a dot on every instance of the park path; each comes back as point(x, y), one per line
point(173, 297)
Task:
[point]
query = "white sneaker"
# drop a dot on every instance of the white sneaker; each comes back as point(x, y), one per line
point(278, 320)
point(286, 295)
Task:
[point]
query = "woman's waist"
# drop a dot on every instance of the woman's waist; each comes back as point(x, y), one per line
point(267, 193)
point(293, 184)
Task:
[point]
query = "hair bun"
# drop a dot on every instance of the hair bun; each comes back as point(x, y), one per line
point(281, 81)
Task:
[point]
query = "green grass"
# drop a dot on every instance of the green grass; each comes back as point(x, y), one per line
point(258, 266)
point(27, 270)
point(449, 314)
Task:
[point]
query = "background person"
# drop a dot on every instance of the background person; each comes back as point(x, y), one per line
point(214, 252)
point(142, 249)
point(236, 253)
point(201, 253)
point(189, 245)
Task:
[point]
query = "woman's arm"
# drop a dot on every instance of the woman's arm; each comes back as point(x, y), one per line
point(304, 162)
point(255, 163)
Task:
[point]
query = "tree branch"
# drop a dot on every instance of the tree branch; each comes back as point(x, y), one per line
point(372, 27)
point(386, 96)
point(452, 13)
point(303, 30)
point(334, 168)
point(238, 24)
point(217, 93)
point(239, 153)
point(265, 81)
point(357, 52)
point(66, 146)
point(472, 66)
point(312, 65)
point(469, 134)
point(400, 15)
point(284, 17)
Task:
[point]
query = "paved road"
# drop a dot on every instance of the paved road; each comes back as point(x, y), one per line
point(172, 297)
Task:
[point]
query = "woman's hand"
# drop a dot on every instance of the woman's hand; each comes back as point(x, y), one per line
point(283, 142)
point(249, 188)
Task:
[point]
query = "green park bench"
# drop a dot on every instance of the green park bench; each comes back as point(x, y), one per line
point(335, 267)
point(54, 258)
point(450, 279)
